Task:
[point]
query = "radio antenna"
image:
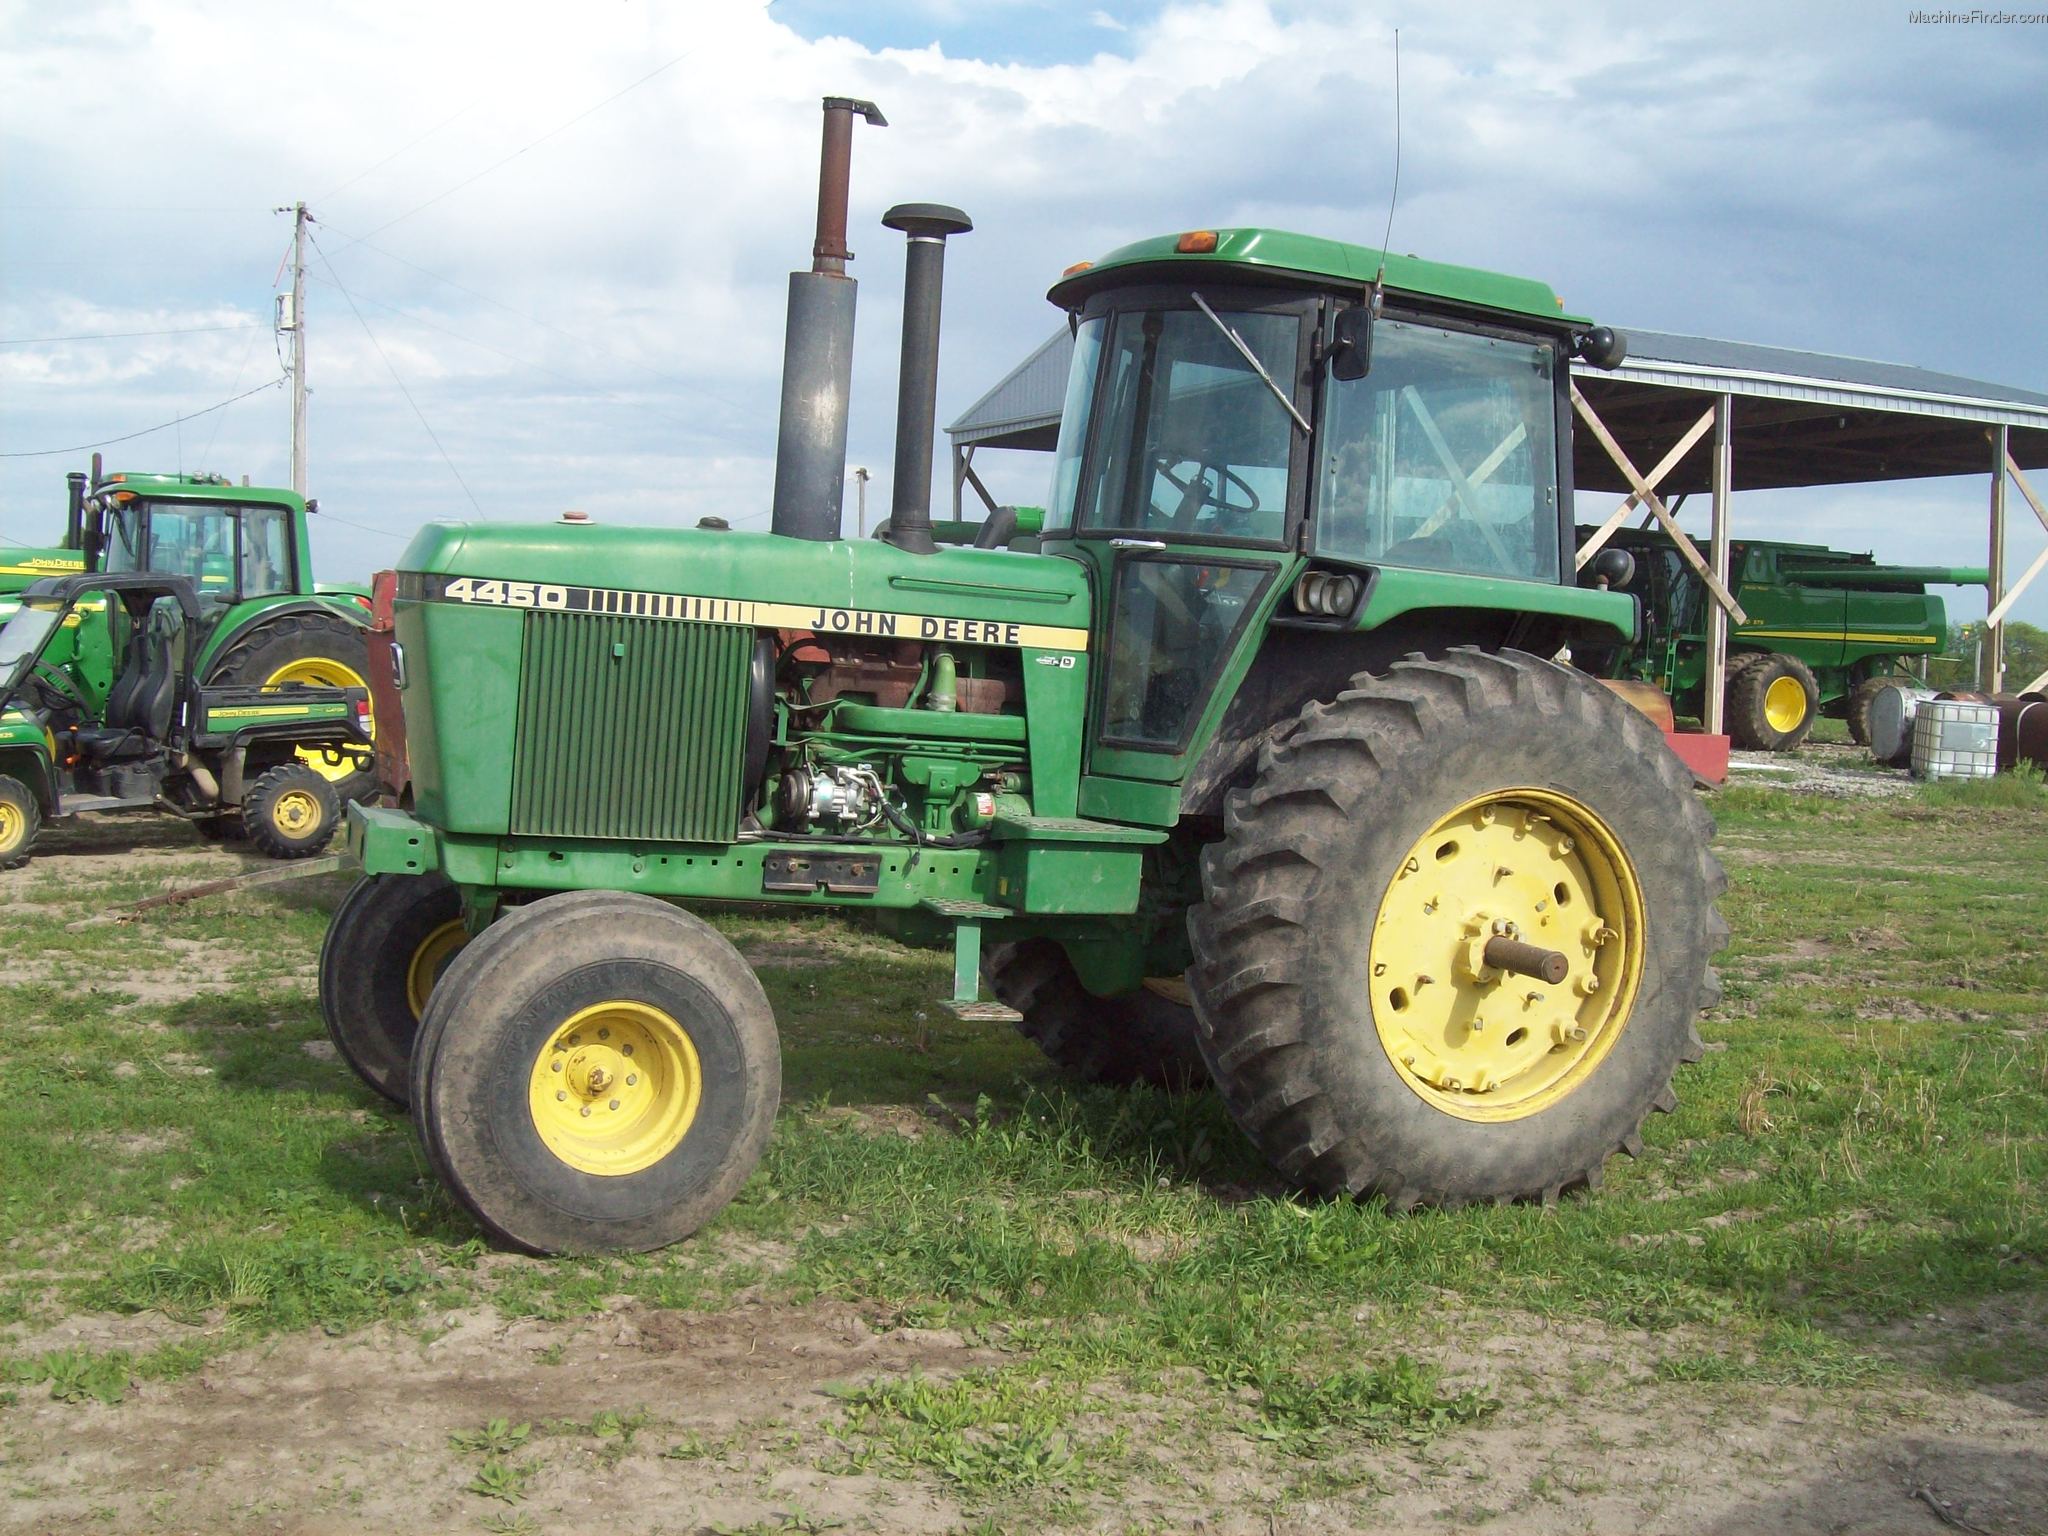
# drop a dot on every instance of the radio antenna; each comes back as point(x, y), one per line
point(1379, 282)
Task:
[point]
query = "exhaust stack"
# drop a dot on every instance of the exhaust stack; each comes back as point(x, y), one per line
point(917, 392)
point(817, 349)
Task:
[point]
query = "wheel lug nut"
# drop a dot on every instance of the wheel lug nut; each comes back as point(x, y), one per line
point(586, 1111)
point(604, 1034)
point(615, 1103)
point(632, 1079)
point(625, 1050)
point(561, 1094)
point(557, 1066)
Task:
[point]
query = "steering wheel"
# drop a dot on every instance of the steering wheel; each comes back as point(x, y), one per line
point(1196, 491)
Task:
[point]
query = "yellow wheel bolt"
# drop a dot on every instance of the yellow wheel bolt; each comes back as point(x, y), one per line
point(615, 1103)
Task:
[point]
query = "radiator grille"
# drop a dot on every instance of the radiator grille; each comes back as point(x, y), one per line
point(630, 728)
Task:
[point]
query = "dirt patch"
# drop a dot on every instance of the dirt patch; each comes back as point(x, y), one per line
point(315, 1435)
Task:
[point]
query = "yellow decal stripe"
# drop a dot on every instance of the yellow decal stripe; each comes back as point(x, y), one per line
point(1857, 636)
point(266, 711)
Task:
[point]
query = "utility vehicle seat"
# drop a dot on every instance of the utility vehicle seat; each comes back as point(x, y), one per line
point(138, 716)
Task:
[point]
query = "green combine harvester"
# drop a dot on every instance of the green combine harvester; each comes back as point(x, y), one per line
point(264, 622)
point(1258, 770)
point(1826, 631)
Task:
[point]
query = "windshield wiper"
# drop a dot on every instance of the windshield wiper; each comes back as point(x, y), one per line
point(1258, 367)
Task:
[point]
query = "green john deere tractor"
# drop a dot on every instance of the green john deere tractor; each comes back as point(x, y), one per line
point(1258, 770)
point(264, 622)
point(220, 755)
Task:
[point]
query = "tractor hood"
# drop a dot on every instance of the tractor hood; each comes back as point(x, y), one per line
point(841, 585)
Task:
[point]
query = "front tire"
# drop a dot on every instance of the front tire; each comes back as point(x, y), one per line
point(1339, 972)
point(1140, 1037)
point(596, 1073)
point(20, 819)
point(291, 812)
point(388, 944)
point(1772, 704)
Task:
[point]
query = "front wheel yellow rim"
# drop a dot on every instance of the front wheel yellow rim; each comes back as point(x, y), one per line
point(13, 826)
point(1785, 704)
point(296, 812)
point(429, 960)
point(616, 1088)
point(1482, 1043)
point(320, 672)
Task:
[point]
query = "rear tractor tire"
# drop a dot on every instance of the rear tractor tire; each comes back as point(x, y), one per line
point(597, 1072)
point(387, 946)
point(20, 819)
point(1772, 704)
point(1353, 998)
point(291, 812)
point(1140, 1037)
point(319, 650)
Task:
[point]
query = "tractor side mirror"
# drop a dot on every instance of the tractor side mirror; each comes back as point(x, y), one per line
point(1612, 569)
point(1603, 348)
point(1351, 343)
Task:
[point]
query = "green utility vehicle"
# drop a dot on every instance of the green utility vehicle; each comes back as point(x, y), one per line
point(221, 755)
point(1258, 769)
point(1826, 630)
point(245, 549)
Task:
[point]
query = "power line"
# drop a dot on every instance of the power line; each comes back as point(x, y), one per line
point(551, 133)
point(322, 250)
point(47, 453)
point(402, 149)
point(329, 517)
point(189, 330)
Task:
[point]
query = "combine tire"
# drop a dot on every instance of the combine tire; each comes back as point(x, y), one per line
point(20, 818)
point(320, 650)
point(1772, 704)
point(1140, 1037)
point(291, 812)
point(1857, 710)
point(595, 1073)
point(389, 942)
point(1345, 998)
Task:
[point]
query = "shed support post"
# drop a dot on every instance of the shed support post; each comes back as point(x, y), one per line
point(1994, 590)
point(1714, 713)
point(961, 458)
point(2011, 594)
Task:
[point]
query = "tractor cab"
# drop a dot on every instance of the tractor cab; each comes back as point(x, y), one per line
point(235, 545)
point(1266, 434)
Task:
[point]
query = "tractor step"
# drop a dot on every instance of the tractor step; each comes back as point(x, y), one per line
point(947, 906)
point(982, 1013)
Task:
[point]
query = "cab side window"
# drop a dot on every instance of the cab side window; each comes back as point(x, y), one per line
point(266, 552)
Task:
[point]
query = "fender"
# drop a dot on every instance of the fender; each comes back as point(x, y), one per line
point(222, 640)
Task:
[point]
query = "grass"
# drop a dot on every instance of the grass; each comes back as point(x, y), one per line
point(1865, 1143)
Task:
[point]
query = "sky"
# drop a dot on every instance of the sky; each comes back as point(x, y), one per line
point(551, 239)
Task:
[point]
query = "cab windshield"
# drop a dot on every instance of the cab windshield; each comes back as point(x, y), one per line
point(1187, 442)
point(21, 641)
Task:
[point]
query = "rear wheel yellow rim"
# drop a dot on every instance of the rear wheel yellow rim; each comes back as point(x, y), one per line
point(296, 812)
point(616, 1088)
point(13, 827)
point(1484, 1044)
point(320, 672)
point(1785, 704)
point(429, 960)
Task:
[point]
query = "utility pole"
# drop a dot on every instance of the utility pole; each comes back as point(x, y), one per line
point(291, 316)
point(860, 477)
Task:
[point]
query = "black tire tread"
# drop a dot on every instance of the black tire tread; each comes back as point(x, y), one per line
point(256, 820)
point(1254, 921)
point(1118, 1041)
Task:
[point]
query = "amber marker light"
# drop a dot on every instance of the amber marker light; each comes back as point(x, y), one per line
point(1196, 242)
point(1079, 266)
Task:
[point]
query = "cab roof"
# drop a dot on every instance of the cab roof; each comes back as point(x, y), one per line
point(199, 488)
point(1316, 260)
